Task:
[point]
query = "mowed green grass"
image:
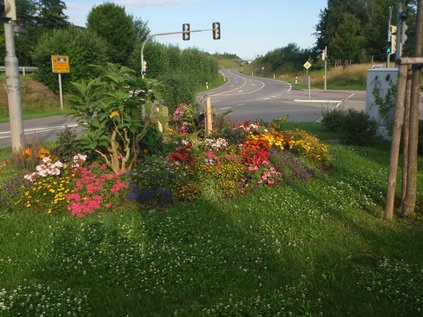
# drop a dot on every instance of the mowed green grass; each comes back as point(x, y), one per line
point(305, 249)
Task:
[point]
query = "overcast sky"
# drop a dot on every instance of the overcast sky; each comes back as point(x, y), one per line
point(249, 28)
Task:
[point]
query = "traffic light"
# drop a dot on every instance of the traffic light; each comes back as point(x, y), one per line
point(185, 32)
point(388, 48)
point(7, 10)
point(216, 30)
point(144, 67)
point(393, 43)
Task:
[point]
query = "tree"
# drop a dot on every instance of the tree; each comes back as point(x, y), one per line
point(83, 47)
point(51, 15)
point(346, 43)
point(141, 30)
point(117, 28)
point(28, 32)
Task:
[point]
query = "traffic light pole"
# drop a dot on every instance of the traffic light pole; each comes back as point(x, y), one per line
point(13, 89)
point(388, 57)
point(162, 34)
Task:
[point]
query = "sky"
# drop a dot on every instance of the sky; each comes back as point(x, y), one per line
point(248, 28)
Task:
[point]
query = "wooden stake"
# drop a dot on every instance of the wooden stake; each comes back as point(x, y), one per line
point(208, 116)
point(396, 138)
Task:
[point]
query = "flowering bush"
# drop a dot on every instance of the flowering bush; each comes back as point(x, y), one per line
point(47, 187)
point(96, 188)
point(309, 146)
point(29, 157)
point(184, 119)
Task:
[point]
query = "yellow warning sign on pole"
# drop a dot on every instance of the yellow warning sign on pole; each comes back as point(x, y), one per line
point(60, 64)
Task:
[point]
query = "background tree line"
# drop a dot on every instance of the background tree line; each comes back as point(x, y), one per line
point(111, 35)
point(355, 31)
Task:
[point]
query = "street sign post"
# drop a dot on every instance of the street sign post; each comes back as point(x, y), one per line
point(60, 65)
point(307, 65)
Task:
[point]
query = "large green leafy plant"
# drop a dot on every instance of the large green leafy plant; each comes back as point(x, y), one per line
point(114, 109)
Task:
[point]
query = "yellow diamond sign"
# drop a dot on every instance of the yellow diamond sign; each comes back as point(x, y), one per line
point(307, 65)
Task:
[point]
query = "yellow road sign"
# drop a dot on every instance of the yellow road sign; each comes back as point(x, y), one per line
point(307, 65)
point(60, 64)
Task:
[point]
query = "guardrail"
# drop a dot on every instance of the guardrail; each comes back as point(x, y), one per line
point(22, 69)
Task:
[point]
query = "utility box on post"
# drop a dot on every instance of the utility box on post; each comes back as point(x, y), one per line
point(381, 97)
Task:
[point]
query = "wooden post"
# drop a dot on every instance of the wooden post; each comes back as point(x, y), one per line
point(396, 138)
point(409, 202)
point(406, 138)
point(208, 116)
point(165, 123)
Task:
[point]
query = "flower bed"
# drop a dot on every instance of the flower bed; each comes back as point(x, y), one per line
point(189, 167)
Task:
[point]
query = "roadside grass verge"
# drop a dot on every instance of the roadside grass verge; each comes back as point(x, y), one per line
point(304, 249)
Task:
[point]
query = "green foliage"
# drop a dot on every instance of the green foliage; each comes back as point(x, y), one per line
point(116, 28)
point(51, 15)
point(83, 48)
point(420, 144)
point(313, 248)
point(110, 109)
point(180, 72)
point(386, 104)
point(333, 119)
point(289, 58)
point(353, 127)
point(67, 144)
point(359, 128)
point(355, 30)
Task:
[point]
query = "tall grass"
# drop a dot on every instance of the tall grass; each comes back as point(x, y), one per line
point(311, 248)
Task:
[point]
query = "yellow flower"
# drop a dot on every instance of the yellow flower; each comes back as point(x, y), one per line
point(114, 114)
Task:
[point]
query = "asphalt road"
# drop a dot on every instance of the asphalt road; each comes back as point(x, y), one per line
point(37, 130)
point(253, 97)
point(249, 97)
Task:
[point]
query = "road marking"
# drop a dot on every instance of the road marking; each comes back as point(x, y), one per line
point(317, 101)
point(241, 104)
point(290, 87)
point(339, 103)
point(225, 108)
point(39, 130)
point(266, 98)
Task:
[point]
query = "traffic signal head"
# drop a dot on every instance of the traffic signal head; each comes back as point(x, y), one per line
point(185, 32)
point(216, 30)
point(388, 48)
point(393, 43)
point(7, 10)
point(404, 28)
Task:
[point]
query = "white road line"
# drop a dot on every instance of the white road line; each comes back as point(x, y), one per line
point(6, 134)
point(266, 98)
point(317, 101)
point(225, 108)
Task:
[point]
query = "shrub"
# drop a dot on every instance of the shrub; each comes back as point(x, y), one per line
point(67, 144)
point(359, 128)
point(354, 127)
point(333, 120)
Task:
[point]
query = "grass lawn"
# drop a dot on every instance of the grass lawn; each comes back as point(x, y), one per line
point(311, 248)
